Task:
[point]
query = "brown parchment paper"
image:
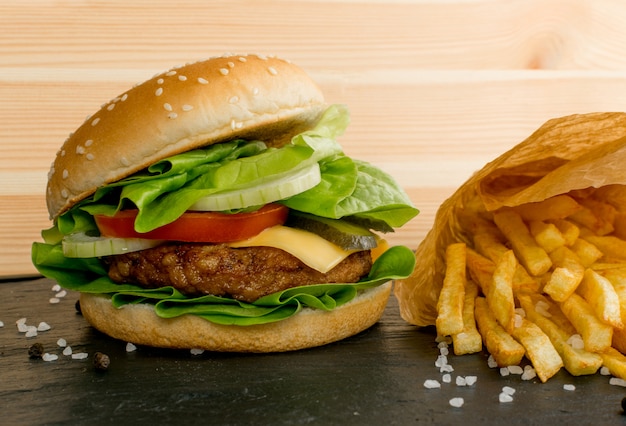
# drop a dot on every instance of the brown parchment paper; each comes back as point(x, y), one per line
point(573, 152)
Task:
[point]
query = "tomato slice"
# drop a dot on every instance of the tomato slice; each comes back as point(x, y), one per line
point(204, 227)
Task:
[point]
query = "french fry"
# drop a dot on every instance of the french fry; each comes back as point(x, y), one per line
point(499, 294)
point(619, 340)
point(500, 344)
point(620, 226)
point(480, 269)
point(450, 305)
point(557, 207)
point(596, 335)
point(587, 253)
point(615, 362)
point(569, 231)
point(610, 245)
point(617, 277)
point(576, 361)
point(529, 253)
point(588, 219)
point(488, 243)
point(469, 340)
point(599, 292)
point(546, 234)
point(566, 276)
point(603, 212)
point(539, 349)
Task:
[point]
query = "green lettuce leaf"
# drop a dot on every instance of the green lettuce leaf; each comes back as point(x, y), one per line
point(89, 276)
point(168, 188)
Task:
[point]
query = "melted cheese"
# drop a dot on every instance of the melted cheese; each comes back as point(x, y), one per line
point(310, 248)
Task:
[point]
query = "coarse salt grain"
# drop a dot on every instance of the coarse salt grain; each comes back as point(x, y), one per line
point(460, 381)
point(491, 362)
point(604, 371)
point(56, 287)
point(31, 332)
point(569, 387)
point(54, 300)
point(1, 324)
point(515, 369)
point(43, 326)
point(508, 390)
point(529, 373)
point(67, 351)
point(444, 351)
point(441, 361)
point(471, 380)
point(446, 378)
point(576, 341)
point(431, 384)
point(446, 369)
point(457, 402)
point(617, 382)
point(130, 347)
point(62, 343)
point(80, 355)
point(197, 351)
point(505, 397)
point(504, 372)
point(49, 357)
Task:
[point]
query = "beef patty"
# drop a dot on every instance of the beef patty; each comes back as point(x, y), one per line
point(244, 274)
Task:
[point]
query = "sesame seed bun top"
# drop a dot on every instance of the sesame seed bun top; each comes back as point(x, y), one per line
point(195, 105)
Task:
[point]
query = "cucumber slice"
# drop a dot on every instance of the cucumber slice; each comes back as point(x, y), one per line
point(279, 188)
point(346, 235)
point(82, 245)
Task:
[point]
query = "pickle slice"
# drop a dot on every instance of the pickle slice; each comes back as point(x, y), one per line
point(346, 235)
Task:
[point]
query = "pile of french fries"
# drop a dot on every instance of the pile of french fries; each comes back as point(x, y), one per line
point(545, 281)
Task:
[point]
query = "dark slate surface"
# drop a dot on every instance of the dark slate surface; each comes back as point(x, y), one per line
point(376, 377)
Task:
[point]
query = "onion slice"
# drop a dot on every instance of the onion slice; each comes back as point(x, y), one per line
point(81, 245)
point(279, 188)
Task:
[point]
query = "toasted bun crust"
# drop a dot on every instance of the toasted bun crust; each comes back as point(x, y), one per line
point(309, 328)
point(185, 108)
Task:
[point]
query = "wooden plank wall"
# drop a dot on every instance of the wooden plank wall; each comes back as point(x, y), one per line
point(437, 88)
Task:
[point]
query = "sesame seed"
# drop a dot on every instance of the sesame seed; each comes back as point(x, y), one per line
point(167, 107)
point(80, 150)
point(171, 73)
point(62, 153)
point(159, 91)
point(223, 71)
point(262, 57)
point(124, 97)
point(233, 100)
point(187, 107)
point(65, 174)
point(272, 70)
point(233, 124)
point(124, 161)
point(110, 107)
point(89, 142)
point(202, 80)
point(182, 78)
point(64, 193)
point(172, 115)
point(242, 59)
point(231, 64)
point(95, 121)
point(160, 81)
point(90, 156)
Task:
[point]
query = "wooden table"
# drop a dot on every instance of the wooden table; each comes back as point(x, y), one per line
point(374, 378)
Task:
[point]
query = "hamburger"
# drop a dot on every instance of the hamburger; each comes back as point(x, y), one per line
point(212, 207)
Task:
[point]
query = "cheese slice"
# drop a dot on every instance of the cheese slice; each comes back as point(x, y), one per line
point(310, 248)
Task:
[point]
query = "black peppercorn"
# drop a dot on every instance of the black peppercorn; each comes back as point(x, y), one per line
point(35, 350)
point(624, 405)
point(101, 361)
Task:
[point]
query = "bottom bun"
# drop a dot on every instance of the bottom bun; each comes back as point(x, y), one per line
point(139, 324)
